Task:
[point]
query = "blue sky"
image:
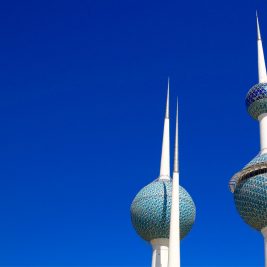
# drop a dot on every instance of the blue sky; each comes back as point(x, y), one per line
point(82, 99)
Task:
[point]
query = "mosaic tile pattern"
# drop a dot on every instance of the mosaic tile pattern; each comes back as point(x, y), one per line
point(251, 201)
point(150, 211)
point(258, 159)
point(256, 166)
point(256, 100)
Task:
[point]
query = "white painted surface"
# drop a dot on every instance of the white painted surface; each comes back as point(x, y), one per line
point(261, 61)
point(262, 78)
point(174, 243)
point(263, 132)
point(176, 145)
point(165, 153)
point(160, 247)
point(264, 233)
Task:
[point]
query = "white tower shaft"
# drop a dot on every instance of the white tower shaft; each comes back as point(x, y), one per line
point(262, 79)
point(160, 247)
point(165, 154)
point(264, 232)
point(174, 243)
point(263, 132)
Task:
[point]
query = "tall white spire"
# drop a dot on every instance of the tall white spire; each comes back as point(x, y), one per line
point(174, 238)
point(176, 152)
point(261, 61)
point(165, 153)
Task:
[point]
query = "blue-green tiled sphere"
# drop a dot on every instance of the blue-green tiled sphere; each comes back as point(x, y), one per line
point(256, 100)
point(150, 211)
point(251, 200)
point(260, 158)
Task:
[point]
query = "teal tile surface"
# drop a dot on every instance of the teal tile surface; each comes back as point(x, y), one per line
point(256, 100)
point(258, 159)
point(251, 200)
point(150, 211)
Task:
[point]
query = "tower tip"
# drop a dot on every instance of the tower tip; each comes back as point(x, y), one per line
point(261, 62)
point(258, 26)
point(165, 153)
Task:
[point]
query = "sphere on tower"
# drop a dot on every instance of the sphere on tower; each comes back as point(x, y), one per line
point(256, 100)
point(163, 212)
point(150, 211)
point(250, 192)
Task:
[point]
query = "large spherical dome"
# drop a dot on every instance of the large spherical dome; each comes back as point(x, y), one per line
point(251, 200)
point(256, 100)
point(150, 211)
point(250, 192)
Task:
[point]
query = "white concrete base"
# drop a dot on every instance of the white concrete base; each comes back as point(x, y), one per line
point(264, 233)
point(160, 252)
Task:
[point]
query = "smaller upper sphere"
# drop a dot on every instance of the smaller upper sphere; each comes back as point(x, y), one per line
point(256, 100)
point(150, 211)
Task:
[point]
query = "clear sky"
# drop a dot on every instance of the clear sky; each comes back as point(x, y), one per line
point(82, 100)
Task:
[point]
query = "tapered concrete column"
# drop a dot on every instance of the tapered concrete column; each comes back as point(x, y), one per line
point(160, 248)
point(174, 245)
point(264, 233)
point(261, 60)
point(263, 132)
point(165, 153)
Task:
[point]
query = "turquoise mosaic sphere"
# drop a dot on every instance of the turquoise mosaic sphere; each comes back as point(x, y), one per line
point(251, 200)
point(260, 158)
point(150, 211)
point(256, 100)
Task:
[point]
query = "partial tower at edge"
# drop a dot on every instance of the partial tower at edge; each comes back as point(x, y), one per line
point(249, 186)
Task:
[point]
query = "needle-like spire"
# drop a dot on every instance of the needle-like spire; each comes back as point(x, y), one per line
point(261, 61)
point(167, 113)
point(176, 153)
point(258, 27)
point(165, 154)
point(174, 238)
